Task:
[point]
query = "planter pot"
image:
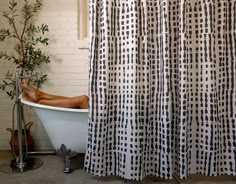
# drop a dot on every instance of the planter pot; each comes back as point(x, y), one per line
point(27, 140)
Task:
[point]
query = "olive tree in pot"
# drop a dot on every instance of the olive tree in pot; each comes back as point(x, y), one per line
point(27, 44)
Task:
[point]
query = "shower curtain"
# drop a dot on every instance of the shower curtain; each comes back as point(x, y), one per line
point(162, 88)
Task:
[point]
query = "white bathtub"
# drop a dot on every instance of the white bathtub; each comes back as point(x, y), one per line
point(63, 125)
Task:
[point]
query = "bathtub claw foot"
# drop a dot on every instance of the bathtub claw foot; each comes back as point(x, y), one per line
point(68, 155)
point(68, 170)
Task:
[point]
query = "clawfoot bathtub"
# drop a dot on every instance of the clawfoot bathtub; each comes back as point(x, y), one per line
point(64, 126)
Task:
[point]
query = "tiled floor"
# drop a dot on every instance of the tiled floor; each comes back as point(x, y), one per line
point(51, 172)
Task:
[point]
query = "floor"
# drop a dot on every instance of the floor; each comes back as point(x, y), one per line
point(51, 172)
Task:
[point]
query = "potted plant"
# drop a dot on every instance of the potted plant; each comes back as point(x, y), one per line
point(28, 41)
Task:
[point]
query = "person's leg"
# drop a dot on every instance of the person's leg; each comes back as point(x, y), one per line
point(35, 94)
point(79, 102)
point(41, 97)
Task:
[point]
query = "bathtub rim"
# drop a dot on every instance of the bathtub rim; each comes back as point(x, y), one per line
point(32, 104)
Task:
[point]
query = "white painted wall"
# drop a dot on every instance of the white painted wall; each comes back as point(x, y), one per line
point(67, 72)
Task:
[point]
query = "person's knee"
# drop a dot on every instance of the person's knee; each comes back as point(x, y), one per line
point(84, 102)
point(84, 98)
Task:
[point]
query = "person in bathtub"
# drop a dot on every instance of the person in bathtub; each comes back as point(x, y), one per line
point(31, 94)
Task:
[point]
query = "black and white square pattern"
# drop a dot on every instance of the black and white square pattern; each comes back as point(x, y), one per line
point(162, 88)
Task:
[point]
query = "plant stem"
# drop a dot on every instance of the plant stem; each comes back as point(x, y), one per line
point(14, 27)
point(22, 39)
point(29, 81)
